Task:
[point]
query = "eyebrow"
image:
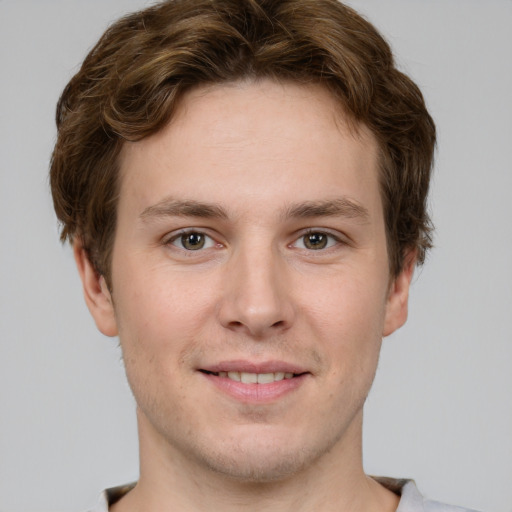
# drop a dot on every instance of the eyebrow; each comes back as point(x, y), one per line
point(339, 207)
point(176, 208)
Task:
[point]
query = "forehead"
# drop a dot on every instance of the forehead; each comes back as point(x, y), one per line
point(265, 140)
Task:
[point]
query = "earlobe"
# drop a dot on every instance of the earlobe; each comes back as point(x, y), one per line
point(398, 297)
point(96, 293)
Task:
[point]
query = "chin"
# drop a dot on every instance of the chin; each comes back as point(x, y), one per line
point(258, 469)
point(263, 460)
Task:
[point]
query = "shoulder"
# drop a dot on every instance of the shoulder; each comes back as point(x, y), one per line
point(411, 499)
point(110, 496)
point(102, 505)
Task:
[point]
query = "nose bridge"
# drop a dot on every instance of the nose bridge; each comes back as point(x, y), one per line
point(256, 297)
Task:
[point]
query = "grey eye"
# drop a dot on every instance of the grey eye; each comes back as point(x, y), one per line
point(315, 241)
point(193, 241)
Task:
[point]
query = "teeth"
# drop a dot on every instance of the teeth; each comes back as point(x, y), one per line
point(265, 378)
point(248, 378)
point(259, 378)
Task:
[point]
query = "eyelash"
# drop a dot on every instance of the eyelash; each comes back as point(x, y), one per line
point(187, 232)
point(332, 240)
point(209, 242)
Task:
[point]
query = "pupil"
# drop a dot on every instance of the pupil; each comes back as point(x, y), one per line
point(193, 241)
point(316, 241)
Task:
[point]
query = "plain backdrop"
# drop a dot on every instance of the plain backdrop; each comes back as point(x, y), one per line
point(441, 407)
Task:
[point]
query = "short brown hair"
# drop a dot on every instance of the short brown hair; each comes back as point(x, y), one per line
point(131, 81)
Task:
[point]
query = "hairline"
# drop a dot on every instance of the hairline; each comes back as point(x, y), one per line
point(344, 120)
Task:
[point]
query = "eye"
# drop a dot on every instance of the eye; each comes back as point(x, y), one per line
point(316, 241)
point(192, 241)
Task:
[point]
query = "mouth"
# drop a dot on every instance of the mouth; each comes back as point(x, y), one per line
point(256, 383)
point(254, 378)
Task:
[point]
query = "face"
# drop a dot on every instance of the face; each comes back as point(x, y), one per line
point(250, 280)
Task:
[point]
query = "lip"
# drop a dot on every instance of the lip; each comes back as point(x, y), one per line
point(239, 365)
point(255, 393)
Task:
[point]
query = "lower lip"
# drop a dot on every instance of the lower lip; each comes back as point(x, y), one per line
point(256, 393)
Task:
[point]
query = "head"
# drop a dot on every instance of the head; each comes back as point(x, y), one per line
point(245, 186)
point(131, 83)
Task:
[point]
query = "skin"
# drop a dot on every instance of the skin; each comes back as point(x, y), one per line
point(259, 170)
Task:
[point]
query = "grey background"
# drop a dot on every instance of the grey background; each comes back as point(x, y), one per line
point(441, 407)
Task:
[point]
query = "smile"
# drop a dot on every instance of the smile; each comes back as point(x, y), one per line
point(262, 383)
point(253, 378)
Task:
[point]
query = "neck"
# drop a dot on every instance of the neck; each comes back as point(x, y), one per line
point(170, 481)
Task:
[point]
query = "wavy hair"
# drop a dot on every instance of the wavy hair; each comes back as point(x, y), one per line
point(132, 80)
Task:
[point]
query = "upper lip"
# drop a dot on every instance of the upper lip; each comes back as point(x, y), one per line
point(252, 367)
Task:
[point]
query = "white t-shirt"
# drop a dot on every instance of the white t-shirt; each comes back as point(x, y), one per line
point(410, 498)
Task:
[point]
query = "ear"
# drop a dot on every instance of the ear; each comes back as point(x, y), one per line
point(96, 292)
point(398, 297)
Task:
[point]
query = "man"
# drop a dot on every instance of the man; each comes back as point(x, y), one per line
point(244, 184)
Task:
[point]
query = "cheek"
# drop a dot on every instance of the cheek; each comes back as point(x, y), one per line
point(350, 305)
point(347, 318)
point(156, 332)
point(155, 301)
point(161, 317)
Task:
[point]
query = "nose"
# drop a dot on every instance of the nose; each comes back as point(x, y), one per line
point(257, 294)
